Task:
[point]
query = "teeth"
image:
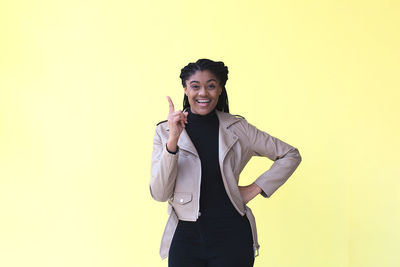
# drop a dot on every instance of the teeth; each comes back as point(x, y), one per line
point(203, 101)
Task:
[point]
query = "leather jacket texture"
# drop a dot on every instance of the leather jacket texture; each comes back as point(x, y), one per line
point(176, 178)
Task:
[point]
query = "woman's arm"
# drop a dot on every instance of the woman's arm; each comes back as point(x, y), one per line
point(164, 169)
point(164, 161)
point(286, 159)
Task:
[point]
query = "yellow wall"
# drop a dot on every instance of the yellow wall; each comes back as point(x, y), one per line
point(83, 83)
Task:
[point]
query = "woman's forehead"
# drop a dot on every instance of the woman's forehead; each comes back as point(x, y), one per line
point(202, 76)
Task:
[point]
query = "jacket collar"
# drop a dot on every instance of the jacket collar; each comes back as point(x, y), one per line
point(225, 119)
point(226, 138)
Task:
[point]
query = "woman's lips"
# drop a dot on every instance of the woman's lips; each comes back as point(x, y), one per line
point(203, 102)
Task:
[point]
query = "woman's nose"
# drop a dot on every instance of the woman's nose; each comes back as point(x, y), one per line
point(203, 91)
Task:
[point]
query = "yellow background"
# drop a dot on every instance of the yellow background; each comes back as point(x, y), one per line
point(83, 84)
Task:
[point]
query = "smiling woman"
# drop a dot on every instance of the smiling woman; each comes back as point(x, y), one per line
point(197, 158)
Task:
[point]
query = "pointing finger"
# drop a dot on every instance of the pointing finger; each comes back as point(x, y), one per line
point(171, 105)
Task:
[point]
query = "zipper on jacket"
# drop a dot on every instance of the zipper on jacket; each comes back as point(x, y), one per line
point(198, 194)
point(197, 211)
point(199, 186)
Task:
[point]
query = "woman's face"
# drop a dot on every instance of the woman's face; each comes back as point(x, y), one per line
point(203, 90)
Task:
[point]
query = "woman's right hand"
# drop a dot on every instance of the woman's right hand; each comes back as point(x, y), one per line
point(176, 123)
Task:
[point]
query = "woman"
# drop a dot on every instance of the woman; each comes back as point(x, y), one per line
point(198, 154)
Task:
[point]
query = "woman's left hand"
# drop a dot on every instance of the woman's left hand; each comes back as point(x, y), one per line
point(249, 192)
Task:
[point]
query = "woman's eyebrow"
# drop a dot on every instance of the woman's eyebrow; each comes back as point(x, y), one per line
point(199, 82)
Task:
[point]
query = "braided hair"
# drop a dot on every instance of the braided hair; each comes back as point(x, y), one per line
point(218, 68)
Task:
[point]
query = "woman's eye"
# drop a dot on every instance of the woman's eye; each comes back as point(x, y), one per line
point(211, 86)
point(195, 86)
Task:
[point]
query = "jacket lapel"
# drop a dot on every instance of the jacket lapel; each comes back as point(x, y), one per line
point(186, 143)
point(226, 138)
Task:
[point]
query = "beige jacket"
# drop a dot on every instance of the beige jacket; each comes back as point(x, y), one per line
point(176, 177)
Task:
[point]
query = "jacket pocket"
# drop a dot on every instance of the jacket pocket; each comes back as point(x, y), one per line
point(182, 198)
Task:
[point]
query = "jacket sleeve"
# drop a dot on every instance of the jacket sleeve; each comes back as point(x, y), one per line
point(164, 169)
point(286, 159)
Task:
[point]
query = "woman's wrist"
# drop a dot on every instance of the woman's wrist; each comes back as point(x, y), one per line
point(249, 192)
point(172, 146)
point(256, 188)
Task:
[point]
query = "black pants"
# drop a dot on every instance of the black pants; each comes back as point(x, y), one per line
point(212, 242)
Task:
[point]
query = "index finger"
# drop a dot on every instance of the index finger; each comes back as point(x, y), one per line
point(171, 105)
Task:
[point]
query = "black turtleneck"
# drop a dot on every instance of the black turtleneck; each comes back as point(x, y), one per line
point(203, 130)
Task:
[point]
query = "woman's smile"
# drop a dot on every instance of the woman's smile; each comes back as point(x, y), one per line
point(203, 102)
